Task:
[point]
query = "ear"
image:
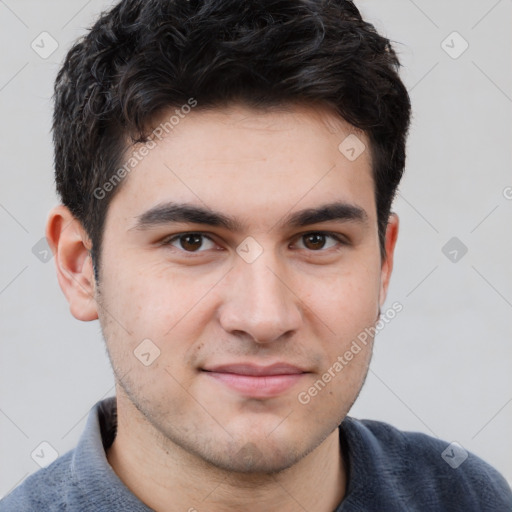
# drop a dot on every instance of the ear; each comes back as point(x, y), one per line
point(70, 246)
point(387, 263)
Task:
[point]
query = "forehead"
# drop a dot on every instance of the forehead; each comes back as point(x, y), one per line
point(240, 158)
point(294, 123)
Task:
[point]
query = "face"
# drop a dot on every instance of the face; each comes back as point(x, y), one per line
point(240, 261)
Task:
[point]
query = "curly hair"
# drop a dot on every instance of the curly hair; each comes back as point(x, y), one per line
point(145, 56)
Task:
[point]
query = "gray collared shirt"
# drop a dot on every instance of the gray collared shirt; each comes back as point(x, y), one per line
point(388, 471)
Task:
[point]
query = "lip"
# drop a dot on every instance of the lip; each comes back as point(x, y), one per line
point(278, 368)
point(256, 381)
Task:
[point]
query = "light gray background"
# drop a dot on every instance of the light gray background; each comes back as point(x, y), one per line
point(443, 366)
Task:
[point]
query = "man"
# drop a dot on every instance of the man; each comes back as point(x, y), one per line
point(227, 171)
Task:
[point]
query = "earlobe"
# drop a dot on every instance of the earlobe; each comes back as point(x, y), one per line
point(70, 246)
point(387, 264)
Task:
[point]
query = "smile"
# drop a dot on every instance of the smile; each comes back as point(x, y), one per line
point(257, 382)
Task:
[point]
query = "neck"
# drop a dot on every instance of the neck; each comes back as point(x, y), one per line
point(160, 473)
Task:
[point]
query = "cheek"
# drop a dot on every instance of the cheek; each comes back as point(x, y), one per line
point(348, 304)
point(147, 332)
point(347, 301)
point(157, 313)
point(151, 302)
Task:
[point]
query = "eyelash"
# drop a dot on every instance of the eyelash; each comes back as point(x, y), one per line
point(169, 240)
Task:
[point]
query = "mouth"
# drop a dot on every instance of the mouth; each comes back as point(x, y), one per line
point(255, 381)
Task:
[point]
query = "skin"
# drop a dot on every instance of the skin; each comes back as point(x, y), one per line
point(186, 441)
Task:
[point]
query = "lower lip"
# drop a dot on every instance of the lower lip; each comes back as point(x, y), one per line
point(258, 386)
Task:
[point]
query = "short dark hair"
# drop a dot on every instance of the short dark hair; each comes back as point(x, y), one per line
point(144, 56)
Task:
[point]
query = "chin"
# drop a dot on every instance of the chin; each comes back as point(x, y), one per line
point(250, 459)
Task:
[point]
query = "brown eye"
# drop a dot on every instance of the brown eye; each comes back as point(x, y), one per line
point(190, 242)
point(314, 241)
point(319, 241)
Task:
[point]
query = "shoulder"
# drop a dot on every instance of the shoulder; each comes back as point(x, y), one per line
point(419, 468)
point(46, 489)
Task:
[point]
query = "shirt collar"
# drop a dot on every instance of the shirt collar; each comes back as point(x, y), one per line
point(99, 485)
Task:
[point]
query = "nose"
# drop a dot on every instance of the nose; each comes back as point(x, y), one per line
point(261, 301)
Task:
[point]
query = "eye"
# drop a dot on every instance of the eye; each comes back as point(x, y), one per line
point(317, 241)
point(190, 242)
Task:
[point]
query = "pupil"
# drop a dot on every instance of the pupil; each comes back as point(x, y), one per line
point(317, 240)
point(191, 242)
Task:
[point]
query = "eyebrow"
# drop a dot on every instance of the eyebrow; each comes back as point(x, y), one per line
point(172, 212)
